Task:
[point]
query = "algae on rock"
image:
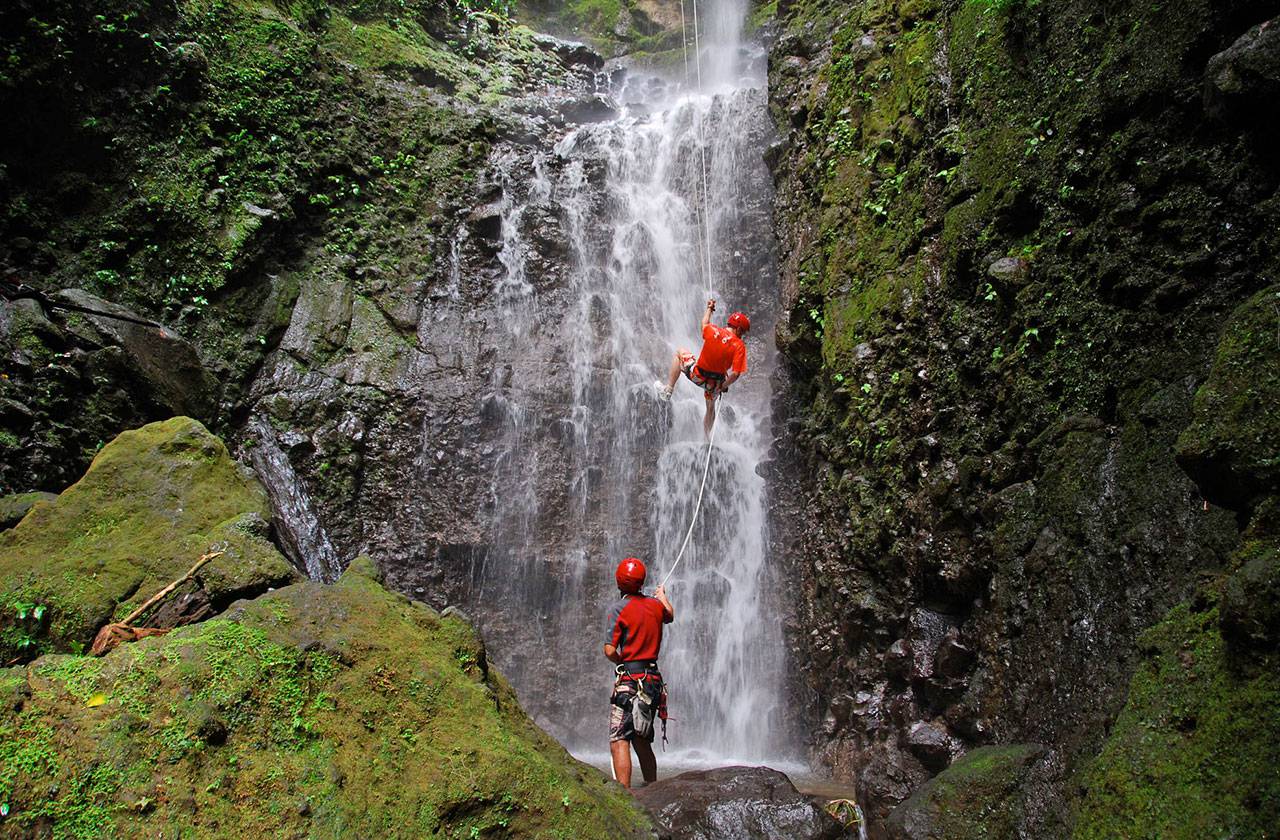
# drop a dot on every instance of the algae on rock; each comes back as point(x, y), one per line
point(152, 502)
point(1195, 751)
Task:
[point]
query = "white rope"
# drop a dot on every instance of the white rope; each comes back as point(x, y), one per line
point(706, 238)
point(697, 507)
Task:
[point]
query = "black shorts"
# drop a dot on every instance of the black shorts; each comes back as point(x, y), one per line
point(621, 726)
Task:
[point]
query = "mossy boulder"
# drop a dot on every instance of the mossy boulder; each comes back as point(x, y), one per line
point(1195, 751)
point(153, 501)
point(980, 795)
point(312, 711)
point(1232, 447)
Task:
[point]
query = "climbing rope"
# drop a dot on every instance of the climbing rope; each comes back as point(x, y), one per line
point(706, 242)
point(697, 507)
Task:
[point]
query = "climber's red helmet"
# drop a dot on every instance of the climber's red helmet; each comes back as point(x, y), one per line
point(630, 576)
point(740, 321)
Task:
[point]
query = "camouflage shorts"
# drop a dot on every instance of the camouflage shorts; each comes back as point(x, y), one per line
point(621, 727)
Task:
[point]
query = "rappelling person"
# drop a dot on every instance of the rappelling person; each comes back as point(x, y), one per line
point(635, 638)
point(722, 360)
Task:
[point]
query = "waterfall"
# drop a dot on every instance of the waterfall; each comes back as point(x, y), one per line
point(589, 467)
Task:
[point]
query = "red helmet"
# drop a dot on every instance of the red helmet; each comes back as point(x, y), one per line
point(630, 576)
point(740, 320)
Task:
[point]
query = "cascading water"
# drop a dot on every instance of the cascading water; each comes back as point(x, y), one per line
point(654, 207)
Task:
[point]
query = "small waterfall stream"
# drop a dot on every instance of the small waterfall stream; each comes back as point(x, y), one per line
point(589, 467)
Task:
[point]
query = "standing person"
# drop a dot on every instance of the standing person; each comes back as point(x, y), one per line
point(722, 360)
point(635, 638)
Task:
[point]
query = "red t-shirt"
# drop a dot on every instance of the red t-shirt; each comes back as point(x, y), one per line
point(721, 349)
point(635, 627)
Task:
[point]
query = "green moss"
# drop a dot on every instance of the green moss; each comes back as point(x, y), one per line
point(978, 796)
point(1023, 419)
point(152, 502)
point(328, 711)
point(1233, 445)
point(761, 13)
point(1195, 751)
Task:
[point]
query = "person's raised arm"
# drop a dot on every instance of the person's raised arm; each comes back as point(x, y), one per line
point(711, 307)
point(668, 611)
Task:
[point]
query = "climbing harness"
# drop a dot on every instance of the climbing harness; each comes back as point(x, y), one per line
point(643, 706)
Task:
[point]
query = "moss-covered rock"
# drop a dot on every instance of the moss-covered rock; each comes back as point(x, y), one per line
point(153, 501)
point(1195, 751)
point(978, 796)
point(647, 30)
point(15, 506)
point(1011, 239)
point(1251, 599)
point(1232, 447)
point(314, 711)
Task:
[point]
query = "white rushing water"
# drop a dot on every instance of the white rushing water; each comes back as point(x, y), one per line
point(629, 197)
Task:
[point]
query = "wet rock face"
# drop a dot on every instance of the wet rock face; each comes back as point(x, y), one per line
point(735, 803)
point(1002, 468)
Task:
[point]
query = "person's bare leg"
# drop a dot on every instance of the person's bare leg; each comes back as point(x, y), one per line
point(710, 419)
point(674, 374)
point(620, 751)
point(648, 761)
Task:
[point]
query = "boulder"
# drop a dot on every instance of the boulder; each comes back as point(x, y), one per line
point(1009, 272)
point(1250, 608)
point(980, 795)
point(153, 501)
point(1242, 83)
point(735, 803)
point(1230, 447)
point(176, 379)
point(316, 710)
point(931, 744)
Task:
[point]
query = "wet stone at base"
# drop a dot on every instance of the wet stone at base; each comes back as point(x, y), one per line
point(735, 803)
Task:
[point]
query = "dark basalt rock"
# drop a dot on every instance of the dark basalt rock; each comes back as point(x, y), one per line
point(735, 803)
point(1242, 83)
point(166, 362)
point(1250, 608)
point(572, 53)
point(930, 744)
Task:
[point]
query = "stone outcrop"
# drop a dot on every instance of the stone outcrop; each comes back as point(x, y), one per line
point(153, 501)
point(981, 795)
point(735, 803)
